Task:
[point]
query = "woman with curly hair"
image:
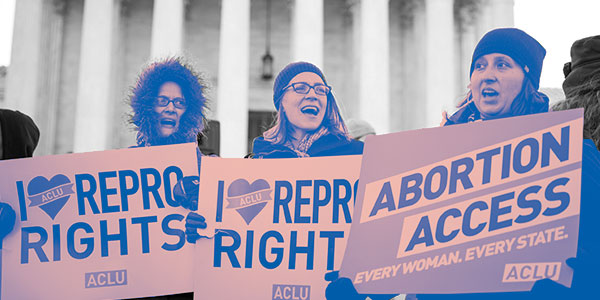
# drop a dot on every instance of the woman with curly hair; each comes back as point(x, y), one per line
point(168, 104)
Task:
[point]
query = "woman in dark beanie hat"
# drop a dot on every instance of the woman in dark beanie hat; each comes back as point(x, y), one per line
point(308, 124)
point(505, 77)
point(308, 120)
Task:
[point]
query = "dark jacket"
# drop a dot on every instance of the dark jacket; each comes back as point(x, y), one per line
point(327, 145)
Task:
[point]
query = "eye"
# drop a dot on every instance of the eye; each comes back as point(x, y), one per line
point(321, 89)
point(301, 87)
point(479, 66)
point(161, 100)
point(503, 65)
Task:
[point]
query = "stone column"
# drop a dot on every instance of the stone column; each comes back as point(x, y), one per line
point(232, 104)
point(503, 13)
point(307, 31)
point(374, 90)
point(167, 28)
point(94, 101)
point(23, 82)
point(34, 73)
point(439, 60)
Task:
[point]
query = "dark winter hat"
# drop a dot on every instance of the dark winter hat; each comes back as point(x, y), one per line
point(584, 64)
point(20, 135)
point(289, 72)
point(517, 44)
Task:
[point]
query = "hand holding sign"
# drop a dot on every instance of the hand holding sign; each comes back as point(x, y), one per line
point(186, 192)
point(7, 220)
point(193, 221)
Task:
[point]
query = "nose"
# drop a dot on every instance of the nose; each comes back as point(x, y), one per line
point(489, 74)
point(170, 107)
point(312, 94)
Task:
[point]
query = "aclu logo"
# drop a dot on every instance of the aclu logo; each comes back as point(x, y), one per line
point(105, 278)
point(291, 292)
point(524, 272)
point(50, 195)
point(248, 199)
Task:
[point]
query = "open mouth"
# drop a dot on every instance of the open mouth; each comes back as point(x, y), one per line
point(489, 92)
point(167, 122)
point(310, 110)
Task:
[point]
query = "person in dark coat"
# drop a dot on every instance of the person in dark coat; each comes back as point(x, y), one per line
point(18, 138)
point(582, 90)
point(582, 85)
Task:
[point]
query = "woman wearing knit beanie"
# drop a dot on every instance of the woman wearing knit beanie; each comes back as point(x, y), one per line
point(308, 120)
point(308, 124)
point(528, 55)
point(505, 78)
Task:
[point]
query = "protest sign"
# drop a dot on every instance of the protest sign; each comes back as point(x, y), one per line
point(97, 225)
point(280, 225)
point(480, 207)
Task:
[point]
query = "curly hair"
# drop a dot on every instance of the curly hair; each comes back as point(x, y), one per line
point(586, 95)
point(144, 92)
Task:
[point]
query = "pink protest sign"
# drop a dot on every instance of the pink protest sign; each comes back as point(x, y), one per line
point(280, 225)
point(480, 207)
point(97, 225)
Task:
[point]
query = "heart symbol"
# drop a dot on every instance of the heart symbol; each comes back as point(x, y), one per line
point(50, 195)
point(248, 199)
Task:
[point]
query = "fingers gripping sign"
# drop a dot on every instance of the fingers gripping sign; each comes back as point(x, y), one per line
point(193, 222)
point(186, 192)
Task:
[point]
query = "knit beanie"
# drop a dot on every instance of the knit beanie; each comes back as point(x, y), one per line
point(585, 63)
point(289, 72)
point(517, 44)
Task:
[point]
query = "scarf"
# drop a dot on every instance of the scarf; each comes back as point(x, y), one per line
point(306, 142)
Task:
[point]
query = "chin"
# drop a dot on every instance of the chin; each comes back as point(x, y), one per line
point(165, 134)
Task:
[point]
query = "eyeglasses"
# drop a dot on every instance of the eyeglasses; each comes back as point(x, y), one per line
point(304, 88)
point(178, 102)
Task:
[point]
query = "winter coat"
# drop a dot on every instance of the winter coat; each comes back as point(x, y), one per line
point(327, 145)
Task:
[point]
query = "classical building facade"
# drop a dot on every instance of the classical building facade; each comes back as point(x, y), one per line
point(395, 63)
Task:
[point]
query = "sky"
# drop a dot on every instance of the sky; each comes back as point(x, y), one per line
point(556, 24)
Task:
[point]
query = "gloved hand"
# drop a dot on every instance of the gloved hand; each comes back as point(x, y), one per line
point(7, 220)
point(340, 288)
point(193, 221)
point(343, 289)
point(585, 273)
point(185, 192)
point(585, 267)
